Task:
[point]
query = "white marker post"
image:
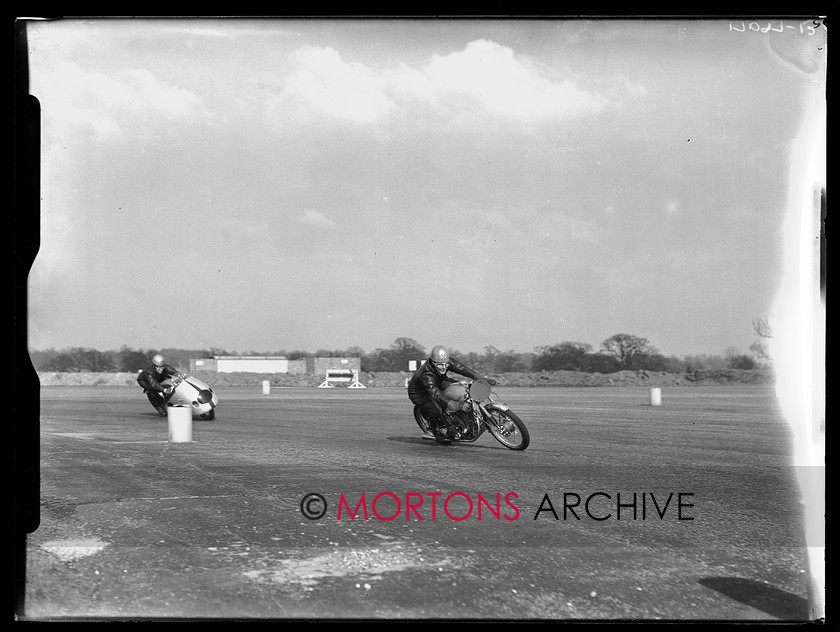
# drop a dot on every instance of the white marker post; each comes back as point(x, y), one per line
point(180, 418)
point(266, 387)
point(656, 397)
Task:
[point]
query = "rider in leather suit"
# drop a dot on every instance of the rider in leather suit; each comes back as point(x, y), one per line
point(153, 380)
point(427, 389)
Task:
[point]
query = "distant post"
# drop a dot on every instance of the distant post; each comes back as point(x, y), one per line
point(412, 367)
point(655, 396)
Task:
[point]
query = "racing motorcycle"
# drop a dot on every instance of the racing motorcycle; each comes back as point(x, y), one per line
point(485, 412)
point(190, 391)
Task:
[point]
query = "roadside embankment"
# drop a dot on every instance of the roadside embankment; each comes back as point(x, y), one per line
point(397, 379)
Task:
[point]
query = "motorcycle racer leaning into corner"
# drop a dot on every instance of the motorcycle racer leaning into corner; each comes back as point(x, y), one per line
point(430, 389)
point(154, 380)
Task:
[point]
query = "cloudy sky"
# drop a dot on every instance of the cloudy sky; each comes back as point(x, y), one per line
point(259, 185)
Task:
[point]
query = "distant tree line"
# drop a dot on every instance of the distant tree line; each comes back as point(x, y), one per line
point(616, 353)
point(125, 359)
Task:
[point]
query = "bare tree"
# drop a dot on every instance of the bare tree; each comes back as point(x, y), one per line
point(508, 362)
point(81, 359)
point(491, 353)
point(628, 349)
point(569, 356)
point(403, 350)
point(762, 328)
point(760, 348)
point(737, 360)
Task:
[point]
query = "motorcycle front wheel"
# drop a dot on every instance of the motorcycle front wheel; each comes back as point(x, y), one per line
point(508, 429)
point(209, 416)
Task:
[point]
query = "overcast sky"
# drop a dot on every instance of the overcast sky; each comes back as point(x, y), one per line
point(311, 184)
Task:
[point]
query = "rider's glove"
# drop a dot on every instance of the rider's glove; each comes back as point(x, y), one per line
point(465, 406)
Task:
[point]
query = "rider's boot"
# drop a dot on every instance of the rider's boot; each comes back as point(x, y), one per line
point(441, 431)
point(157, 403)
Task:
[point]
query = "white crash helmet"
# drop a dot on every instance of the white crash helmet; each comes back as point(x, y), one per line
point(158, 360)
point(440, 358)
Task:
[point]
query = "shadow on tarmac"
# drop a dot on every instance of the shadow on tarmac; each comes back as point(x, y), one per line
point(773, 601)
point(430, 442)
point(164, 419)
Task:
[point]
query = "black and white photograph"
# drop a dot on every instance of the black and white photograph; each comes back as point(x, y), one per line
point(468, 318)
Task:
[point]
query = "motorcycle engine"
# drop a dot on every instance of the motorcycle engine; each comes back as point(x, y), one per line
point(461, 421)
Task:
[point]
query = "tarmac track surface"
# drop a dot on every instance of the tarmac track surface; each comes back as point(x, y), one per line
point(135, 526)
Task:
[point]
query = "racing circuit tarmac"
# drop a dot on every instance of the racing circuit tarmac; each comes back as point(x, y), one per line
point(133, 526)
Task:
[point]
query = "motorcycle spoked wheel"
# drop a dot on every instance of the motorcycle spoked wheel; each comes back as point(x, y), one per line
point(508, 429)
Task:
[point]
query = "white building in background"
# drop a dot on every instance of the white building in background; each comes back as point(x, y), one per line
point(272, 364)
point(252, 364)
point(246, 364)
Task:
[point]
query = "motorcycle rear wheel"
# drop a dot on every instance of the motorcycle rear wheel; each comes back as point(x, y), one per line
point(508, 429)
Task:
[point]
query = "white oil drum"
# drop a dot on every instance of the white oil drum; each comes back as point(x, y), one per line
point(656, 397)
point(180, 419)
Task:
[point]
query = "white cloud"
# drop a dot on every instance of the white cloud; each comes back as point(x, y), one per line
point(560, 226)
point(70, 95)
point(144, 90)
point(483, 79)
point(410, 85)
point(491, 76)
point(318, 219)
point(636, 89)
point(342, 90)
point(672, 207)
